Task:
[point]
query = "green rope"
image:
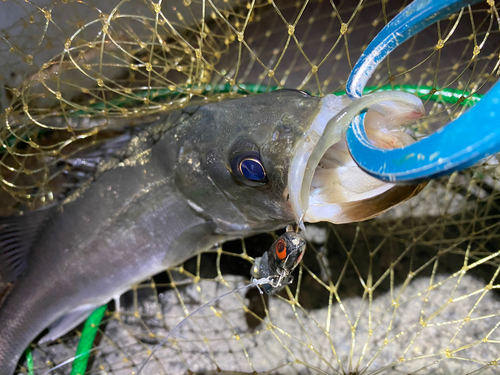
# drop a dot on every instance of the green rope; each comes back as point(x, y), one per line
point(86, 342)
point(447, 95)
point(29, 361)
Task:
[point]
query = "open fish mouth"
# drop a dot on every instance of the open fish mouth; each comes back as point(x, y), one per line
point(324, 182)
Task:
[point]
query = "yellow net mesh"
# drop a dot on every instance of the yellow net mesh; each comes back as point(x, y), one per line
point(413, 291)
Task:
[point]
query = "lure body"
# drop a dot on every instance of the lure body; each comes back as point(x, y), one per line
point(280, 260)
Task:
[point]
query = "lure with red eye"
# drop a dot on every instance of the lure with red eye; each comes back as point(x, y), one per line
point(280, 260)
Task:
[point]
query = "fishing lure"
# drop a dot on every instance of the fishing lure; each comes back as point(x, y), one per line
point(278, 263)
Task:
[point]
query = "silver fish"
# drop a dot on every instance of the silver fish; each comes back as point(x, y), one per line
point(179, 185)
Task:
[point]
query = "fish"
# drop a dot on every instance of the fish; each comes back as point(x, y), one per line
point(184, 182)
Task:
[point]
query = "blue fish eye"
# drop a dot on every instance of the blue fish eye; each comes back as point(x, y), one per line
point(252, 169)
point(248, 168)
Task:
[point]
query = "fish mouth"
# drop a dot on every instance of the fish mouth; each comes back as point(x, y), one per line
point(324, 182)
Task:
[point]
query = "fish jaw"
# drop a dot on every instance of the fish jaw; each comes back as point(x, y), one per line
point(331, 106)
point(326, 184)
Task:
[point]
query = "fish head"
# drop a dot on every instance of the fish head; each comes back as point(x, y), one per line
point(250, 154)
point(243, 148)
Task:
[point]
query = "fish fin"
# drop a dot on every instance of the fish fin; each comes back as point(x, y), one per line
point(111, 147)
point(77, 170)
point(17, 234)
point(67, 322)
point(197, 238)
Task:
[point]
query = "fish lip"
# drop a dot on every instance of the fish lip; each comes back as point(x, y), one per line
point(331, 106)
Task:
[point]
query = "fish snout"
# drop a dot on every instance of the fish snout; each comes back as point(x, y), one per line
point(325, 184)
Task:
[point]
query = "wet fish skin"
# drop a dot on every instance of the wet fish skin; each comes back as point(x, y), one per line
point(143, 214)
point(270, 124)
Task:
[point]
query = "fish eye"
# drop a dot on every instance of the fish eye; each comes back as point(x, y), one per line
point(249, 166)
point(252, 169)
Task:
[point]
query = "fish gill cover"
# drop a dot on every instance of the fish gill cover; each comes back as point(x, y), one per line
point(413, 291)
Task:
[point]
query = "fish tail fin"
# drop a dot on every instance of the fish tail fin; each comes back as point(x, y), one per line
point(15, 335)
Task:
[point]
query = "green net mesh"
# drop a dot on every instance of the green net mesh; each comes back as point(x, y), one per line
point(413, 291)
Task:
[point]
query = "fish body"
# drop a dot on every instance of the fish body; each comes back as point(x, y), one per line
point(140, 216)
point(181, 184)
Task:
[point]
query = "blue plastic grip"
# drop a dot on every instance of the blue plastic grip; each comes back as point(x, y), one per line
point(460, 144)
point(411, 20)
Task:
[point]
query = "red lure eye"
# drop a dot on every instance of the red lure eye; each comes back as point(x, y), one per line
point(281, 249)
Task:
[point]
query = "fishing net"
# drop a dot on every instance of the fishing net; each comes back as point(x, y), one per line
point(413, 291)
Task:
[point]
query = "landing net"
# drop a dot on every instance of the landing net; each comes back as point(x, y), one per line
point(413, 291)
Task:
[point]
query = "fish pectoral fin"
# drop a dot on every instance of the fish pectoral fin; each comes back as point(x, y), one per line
point(17, 234)
point(197, 238)
point(67, 322)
